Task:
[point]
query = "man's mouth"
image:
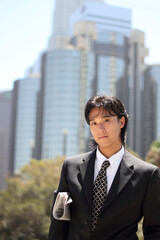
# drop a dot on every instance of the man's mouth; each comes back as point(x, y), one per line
point(102, 137)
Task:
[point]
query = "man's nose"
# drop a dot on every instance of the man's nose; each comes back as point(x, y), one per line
point(101, 128)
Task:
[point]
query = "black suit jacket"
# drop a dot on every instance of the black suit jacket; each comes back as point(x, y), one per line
point(135, 193)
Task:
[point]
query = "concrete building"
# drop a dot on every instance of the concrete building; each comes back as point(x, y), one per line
point(5, 114)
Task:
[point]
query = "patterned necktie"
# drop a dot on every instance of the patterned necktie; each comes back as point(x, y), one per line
point(99, 194)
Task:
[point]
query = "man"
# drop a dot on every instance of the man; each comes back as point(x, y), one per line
point(130, 191)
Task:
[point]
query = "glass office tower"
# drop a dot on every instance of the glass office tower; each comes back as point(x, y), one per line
point(71, 77)
point(68, 76)
point(61, 19)
point(109, 19)
point(25, 125)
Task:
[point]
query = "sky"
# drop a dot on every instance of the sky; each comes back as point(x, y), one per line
point(26, 25)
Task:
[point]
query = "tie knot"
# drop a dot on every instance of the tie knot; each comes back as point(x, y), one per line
point(105, 165)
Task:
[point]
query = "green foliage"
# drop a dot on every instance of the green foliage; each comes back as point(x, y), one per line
point(153, 155)
point(25, 206)
point(155, 146)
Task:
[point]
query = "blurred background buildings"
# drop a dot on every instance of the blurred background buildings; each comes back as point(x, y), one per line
point(5, 116)
point(93, 49)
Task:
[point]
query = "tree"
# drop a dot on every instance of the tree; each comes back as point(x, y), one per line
point(25, 206)
point(153, 155)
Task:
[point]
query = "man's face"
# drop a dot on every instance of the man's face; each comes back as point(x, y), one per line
point(106, 129)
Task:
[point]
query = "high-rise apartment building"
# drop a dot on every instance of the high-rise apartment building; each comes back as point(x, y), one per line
point(5, 114)
point(23, 124)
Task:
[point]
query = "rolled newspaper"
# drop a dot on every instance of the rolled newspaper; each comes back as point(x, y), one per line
point(61, 209)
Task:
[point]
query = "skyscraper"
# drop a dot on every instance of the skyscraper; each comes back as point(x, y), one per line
point(150, 109)
point(137, 53)
point(93, 51)
point(71, 76)
point(108, 19)
point(23, 124)
point(61, 18)
point(155, 75)
point(113, 27)
point(91, 59)
point(152, 77)
point(62, 13)
point(63, 96)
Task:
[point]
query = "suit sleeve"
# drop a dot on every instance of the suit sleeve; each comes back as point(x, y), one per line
point(58, 228)
point(151, 207)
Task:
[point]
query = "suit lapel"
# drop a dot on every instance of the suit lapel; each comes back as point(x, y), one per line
point(87, 175)
point(123, 176)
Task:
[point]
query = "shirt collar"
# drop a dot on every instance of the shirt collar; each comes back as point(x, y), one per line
point(114, 159)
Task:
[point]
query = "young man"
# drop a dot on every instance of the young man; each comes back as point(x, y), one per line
point(111, 189)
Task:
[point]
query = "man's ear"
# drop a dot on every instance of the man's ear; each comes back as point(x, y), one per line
point(122, 121)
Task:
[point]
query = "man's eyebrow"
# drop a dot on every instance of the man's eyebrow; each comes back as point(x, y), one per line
point(105, 116)
point(91, 119)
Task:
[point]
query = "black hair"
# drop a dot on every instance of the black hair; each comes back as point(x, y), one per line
point(113, 106)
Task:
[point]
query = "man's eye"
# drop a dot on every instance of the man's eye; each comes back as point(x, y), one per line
point(93, 124)
point(107, 120)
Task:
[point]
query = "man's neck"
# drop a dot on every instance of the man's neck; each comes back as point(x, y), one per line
point(109, 152)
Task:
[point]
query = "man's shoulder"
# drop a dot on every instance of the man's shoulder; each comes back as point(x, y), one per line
point(136, 161)
point(80, 158)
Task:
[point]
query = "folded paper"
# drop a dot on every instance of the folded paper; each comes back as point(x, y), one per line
point(61, 209)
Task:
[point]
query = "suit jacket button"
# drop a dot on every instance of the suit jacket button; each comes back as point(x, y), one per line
point(85, 222)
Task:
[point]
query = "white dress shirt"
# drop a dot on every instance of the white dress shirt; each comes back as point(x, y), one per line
point(114, 160)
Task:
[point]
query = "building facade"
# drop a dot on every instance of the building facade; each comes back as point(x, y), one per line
point(150, 108)
point(62, 13)
point(65, 80)
point(152, 89)
point(23, 123)
point(136, 67)
point(107, 18)
point(70, 76)
point(61, 20)
point(155, 76)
